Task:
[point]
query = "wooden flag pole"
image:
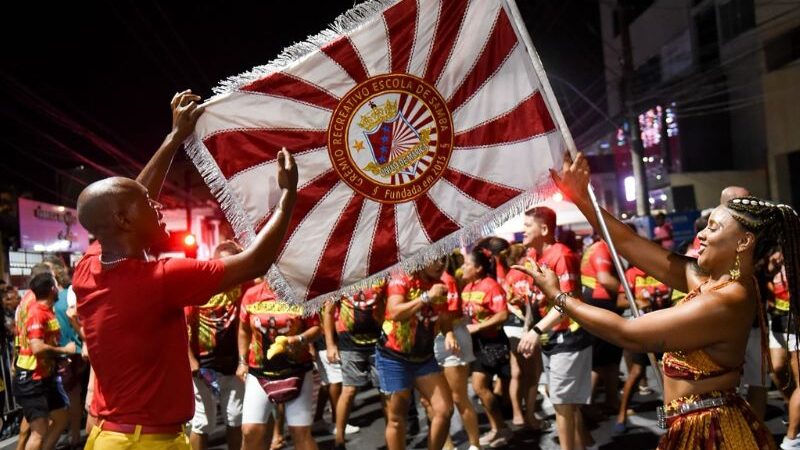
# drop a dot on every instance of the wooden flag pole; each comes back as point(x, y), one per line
point(555, 111)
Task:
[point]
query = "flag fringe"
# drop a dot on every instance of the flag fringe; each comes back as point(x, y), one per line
point(542, 190)
point(345, 23)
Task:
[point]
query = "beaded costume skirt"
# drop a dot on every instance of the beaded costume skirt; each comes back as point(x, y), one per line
point(732, 426)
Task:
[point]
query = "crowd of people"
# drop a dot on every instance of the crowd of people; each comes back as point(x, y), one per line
point(502, 318)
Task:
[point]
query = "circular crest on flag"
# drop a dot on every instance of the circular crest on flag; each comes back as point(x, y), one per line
point(390, 137)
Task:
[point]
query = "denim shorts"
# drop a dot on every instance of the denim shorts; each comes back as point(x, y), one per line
point(397, 375)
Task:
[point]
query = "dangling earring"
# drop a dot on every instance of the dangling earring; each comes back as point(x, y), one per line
point(735, 272)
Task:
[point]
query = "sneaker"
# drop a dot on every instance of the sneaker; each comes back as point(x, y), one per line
point(645, 390)
point(487, 437)
point(790, 444)
point(349, 429)
point(619, 428)
point(502, 438)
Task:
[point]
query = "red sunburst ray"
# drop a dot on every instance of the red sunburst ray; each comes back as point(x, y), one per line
point(502, 41)
point(528, 119)
point(328, 276)
point(284, 85)
point(258, 146)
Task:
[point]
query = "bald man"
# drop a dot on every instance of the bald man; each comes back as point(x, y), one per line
point(732, 192)
point(131, 306)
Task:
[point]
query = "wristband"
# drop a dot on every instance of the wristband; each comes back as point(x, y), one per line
point(424, 298)
point(559, 302)
point(537, 330)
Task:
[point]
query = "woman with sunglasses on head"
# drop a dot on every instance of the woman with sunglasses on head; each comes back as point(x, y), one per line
point(704, 336)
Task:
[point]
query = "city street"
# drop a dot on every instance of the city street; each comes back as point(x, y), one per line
point(643, 432)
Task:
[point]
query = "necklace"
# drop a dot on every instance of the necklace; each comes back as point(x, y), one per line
point(108, 263)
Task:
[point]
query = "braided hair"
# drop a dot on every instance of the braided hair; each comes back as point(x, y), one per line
point(774, 224)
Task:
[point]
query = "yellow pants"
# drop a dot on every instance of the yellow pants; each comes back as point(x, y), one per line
point(111, 440)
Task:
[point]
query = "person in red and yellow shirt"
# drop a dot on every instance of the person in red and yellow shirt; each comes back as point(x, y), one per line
point(275, 336)
point(566, 345)
point(213, 330)
point(36, 384)
point(484, 304)
point(416, 310)
point(130, 305)
point(356, 320)
point(525, 372)
point(600, 285)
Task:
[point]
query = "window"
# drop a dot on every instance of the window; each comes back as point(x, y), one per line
point(707, 41)
point(736, 17)
point(782, 50)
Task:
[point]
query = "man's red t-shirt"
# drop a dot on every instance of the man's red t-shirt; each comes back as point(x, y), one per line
point(596, 260)
point(483, 299)
point(40, 323)
point(135, 328)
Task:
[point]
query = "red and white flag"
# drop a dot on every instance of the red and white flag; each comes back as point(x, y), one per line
point(417, 126)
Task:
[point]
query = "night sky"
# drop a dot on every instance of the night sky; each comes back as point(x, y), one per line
point(89, 83)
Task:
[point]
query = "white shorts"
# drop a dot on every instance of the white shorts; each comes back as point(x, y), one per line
point(783, 340)
point(752, 370)
point(328, 373)
point(570, 377)
point(231, 393)
point(257, 407)
point(449, 359)
point(513, 332)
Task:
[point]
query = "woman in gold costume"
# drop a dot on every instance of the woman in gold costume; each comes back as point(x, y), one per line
point(704, 337)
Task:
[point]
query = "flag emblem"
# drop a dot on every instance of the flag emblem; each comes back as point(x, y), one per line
point(390, 137)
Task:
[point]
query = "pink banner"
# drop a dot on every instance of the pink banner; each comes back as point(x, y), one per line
point(50, 228)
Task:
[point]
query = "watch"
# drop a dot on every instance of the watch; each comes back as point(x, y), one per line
point(537, 330)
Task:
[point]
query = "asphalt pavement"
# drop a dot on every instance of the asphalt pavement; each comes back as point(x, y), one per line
point(642, 434)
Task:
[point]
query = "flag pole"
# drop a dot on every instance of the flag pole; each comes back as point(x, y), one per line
point(555, 111)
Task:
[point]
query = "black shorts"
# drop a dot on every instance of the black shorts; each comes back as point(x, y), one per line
point(641, 359)
point(38, 397)
point(604, 353)
point(492, 356)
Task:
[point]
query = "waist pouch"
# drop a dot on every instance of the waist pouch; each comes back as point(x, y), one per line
point(283, 389)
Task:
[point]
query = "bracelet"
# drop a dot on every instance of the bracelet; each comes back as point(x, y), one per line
point(559, 302)
point(301, 339)
point(537, 330)
point(424, 298)
point(242, 361)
